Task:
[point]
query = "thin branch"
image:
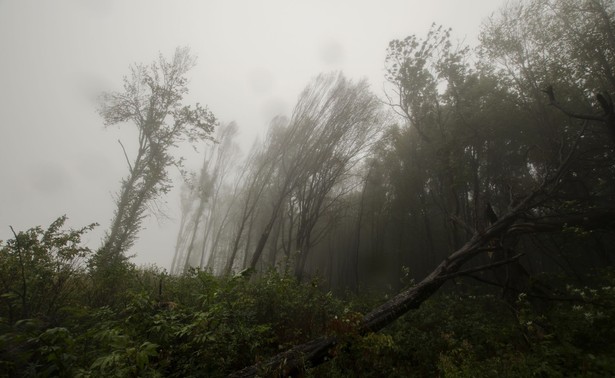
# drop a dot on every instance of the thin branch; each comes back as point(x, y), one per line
point(14, 234)
point(566, 162)
point(605, 101)
point(553, 102)
point(125, 155)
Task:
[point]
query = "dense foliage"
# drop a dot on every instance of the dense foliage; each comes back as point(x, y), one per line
point(200, 325)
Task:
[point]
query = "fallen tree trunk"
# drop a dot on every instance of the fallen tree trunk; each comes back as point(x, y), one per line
point(317, 351)
point(312, 353)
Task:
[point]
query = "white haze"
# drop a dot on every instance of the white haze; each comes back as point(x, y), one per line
point(254, 57)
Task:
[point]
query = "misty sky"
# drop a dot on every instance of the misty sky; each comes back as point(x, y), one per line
point(254, 57)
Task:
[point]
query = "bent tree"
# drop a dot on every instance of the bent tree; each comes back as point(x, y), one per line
point(204, 202)
point(526, 216)
point(547, 164)
point(151, 101)
point(332, 126)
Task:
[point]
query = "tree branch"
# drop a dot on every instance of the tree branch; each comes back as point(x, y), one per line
point(605, 101)
point(553, 102)
point(125, 155)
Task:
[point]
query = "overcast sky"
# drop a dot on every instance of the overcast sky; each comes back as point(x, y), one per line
point(254, 57)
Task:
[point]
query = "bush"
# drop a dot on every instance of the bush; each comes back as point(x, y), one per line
point(41, 271)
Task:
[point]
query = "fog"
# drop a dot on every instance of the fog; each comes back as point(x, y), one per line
point(254, 58)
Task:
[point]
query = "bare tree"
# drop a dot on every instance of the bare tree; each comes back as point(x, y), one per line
point(208, 197)
point(332, 123)
point(251, 185)
point(186, 208)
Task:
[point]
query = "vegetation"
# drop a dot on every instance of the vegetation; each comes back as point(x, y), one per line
point(152, 101)
point(482, 197)
point(409, 183)
point(197, 324)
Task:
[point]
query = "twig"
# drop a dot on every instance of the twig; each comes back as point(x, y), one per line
point(605, 101)
point(125, 155)
point(553, 102)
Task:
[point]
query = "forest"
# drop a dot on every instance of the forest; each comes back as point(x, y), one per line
point(459, 223)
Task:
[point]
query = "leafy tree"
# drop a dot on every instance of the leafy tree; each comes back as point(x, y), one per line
point(436, 161)
point(40, 270)
point(556, 59)
point(152, 102)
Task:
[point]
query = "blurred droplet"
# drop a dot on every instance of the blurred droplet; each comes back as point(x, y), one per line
point(332, 52)
point(273, 107)
point(48, 178)
point(260, 80)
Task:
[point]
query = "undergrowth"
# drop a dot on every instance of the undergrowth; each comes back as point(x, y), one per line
point(53, 323)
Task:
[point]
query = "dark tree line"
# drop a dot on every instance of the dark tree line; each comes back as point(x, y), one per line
point(502, 166)
point(353, 190)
